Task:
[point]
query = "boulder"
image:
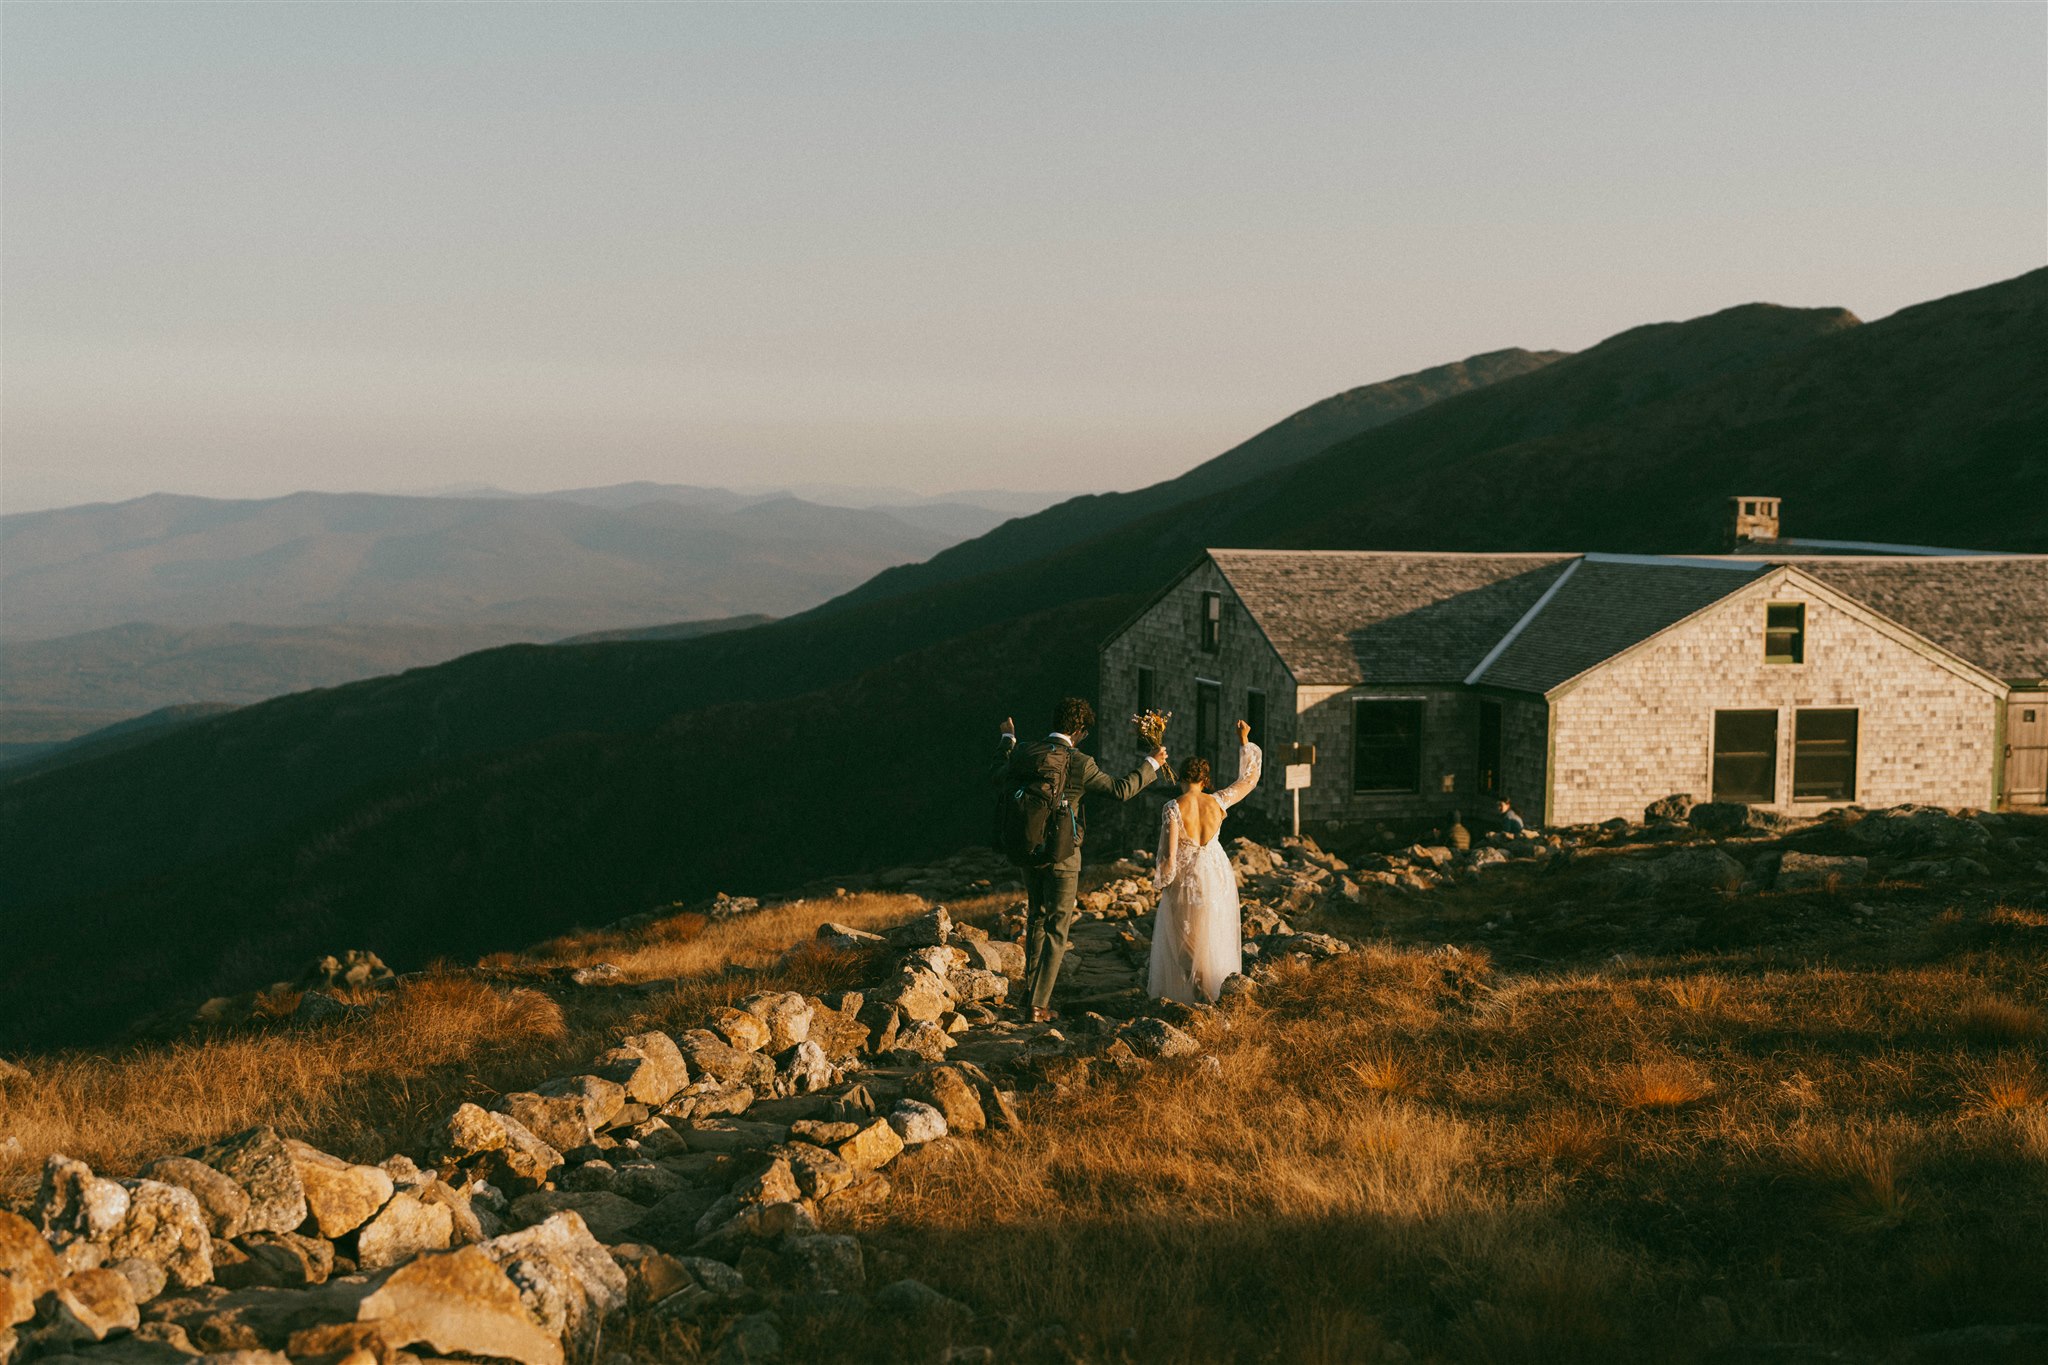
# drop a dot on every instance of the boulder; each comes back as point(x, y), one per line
point(90, 1305)
point(1719, 817)
point(978, 984)
point(167, 1227)
point(74, 1205)
point(919, 1302)
point(740, 1028)
point(826, 1264)
point(26, 1263)
point(224, 1203)
point(671, 1224)
point(524, 1162)
point(871, 1147)
point(752, 1223)
point(817, 1172)
point(146, 1278)
point(404, 1228)
point(469, 1131)
point(1149, 1037)
point(755, 1339)
point(340, 1195)
point(285, 1259)
point(256, 1160)
point(997, 955)
point(945, 1089)
point(562, 1121)
point(1707, 869)
point(711, 1056)
point(606, 1215)
point(916, 1122)
point(648, 1065)
point(787, 1015)
point(839, 1034)
point(1808, 871)
point(1919, 829)
point(805, 1069)
point(918, 996)
point(1675, 807)
point(566, 1279)
point(929, 930)
point(651, 1275)
point(458, 1303)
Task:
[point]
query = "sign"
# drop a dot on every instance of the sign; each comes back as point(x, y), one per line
point(1292, 755)
point(1298, 775)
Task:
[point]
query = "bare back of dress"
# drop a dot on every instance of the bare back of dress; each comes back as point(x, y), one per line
point(1196, 937)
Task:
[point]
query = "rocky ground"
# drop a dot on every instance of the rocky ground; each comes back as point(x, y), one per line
point(688, 1193)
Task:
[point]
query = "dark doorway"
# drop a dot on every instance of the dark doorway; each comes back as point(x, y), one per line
point(1489, 747)
point(1746, 757)
point(1208, 719)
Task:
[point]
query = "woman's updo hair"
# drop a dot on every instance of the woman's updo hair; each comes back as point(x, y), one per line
point(1195, 772)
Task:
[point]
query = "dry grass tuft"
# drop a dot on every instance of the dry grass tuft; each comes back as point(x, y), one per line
point(1573, 1140)
point(2011, 1081)
point(1991, 1019)
point(1383, 1072)
point(1702, 994)
point(2017, 917)
point(1861, 1171)
point(1656, 1083)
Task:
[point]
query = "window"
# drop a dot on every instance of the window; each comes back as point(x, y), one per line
point(1489, 747)
point(1208, 719)
point(1386, 745)
point(1746, 757)
point(1146, 689)
point(1255, 715)
point(1824, 755)
point(1785, 633)
point(1212, 621)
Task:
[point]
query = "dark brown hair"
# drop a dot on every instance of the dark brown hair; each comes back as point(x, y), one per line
point(1195, 771)
point(1072, 716)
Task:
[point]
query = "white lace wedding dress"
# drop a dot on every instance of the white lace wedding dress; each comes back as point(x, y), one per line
point(1197, 938)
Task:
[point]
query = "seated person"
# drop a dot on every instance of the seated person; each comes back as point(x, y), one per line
point(1509, 821)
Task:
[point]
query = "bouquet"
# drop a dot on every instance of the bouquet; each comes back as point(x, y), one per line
point(1151, 727)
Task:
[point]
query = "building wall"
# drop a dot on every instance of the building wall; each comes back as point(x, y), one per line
point(1167, 638)
point(1525, 756)
point(1450, 756)
point(1642, 726)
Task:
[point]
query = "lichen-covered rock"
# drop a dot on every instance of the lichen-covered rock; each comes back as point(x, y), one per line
point(467, 1132)
point(827, 1264)
point(710, 1055)
point(167, 1227)
point(340, 1195)
point(1149, 1037)
point(805, 1069)
point(929, 930)
point(649, 1065)
point(978, 984)
point(945, 1089)
point(524, 1162)
point(566, 1279)
point(256, 1160)
point(459, 1303)
point(404, 1228)
point(561, 1121)
point(918, 996)
point(224, 1203)
point(90, 1305)
point(146, 1278)
point(818, 1172)
point(602, 1100)
point(606, 1215)
point(74, 1205)
point(787, 1015)
point(27, 1264)
point(739, 1028)
point(871, 1147)
point(916, 1122)
point(1813, 871)
point(927, 1041)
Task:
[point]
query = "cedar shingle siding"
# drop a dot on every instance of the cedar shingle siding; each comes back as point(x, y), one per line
point(1608, 669)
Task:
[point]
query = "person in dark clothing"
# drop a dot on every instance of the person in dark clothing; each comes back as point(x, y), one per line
point(1050, 891)
point(1510, 822)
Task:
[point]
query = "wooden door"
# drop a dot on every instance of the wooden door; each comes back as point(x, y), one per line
point(2026, 751)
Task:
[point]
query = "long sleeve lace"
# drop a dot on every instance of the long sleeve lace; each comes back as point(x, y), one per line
point(1166, 866)
point(1249, 762)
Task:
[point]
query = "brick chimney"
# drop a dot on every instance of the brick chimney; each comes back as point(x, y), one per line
point(1755, 518)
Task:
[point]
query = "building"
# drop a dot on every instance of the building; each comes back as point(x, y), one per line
point(1584, 686)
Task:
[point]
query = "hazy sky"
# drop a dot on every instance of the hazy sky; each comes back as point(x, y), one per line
point(250, 248)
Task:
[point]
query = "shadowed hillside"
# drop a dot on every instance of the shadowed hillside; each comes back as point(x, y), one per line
point(513, 790)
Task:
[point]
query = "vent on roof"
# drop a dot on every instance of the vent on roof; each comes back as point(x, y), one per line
point(1755, 518)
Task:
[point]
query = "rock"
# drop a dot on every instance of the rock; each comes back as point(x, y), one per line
point(256, 1160)
point(918, 996)
point(805, 1069)
point(671, 1224)
point(566, 1279)
point(751, 1223)
point(919, 1302)
point(827, 1264)
point(26, 1263)
point(561, 1121)
point(1149, 1037)
point(1919, 829)
point(224, 1203)
point(978, 984)
point(930, 930)
point(340, 1195)
point(818, 1172)
point(732, 1135)
point(1809, 871)
point(606, 1215)
point(945, 1089)
point(1675, 807)
point(740, 1028)
point(1236, 987)
point(1719, 817)
point(355, 968)
point(1318, 947)
point(751, 1340)
point(146, 1278)
point(1983, 1343)
point(1704, 868)
point(284, 1259)
point(923, 1042)
point(525, 1162)
point(916, 1122)
point(787, 1015)
point(167, 1227)
point(403, 1229)
point(708, 1099)
point(74, 1205)
point(709, 1055)
point(598, 974)
point(649, 1066)
point(79, 1255)
point(997, 955)
point(845, 936)
point(871, 1147)
point(644, 1182)
point(90, 1305)
point(459, 1302)
point(869, 1191)
point(651, 1275)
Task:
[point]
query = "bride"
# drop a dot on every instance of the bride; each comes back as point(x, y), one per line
point(1196, 938)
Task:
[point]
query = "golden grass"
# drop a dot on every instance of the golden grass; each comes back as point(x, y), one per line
point(1381, 1071)
point(1991, 1019)
point(1701, 994)
point(367, 1087)
point(2010, 1081)
point(1653, 1083)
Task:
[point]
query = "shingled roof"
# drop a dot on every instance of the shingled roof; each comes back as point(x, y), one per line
point(1533, 621)
point(1343, 617)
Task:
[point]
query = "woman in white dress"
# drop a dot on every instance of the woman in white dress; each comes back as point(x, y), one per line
point(1197, 938)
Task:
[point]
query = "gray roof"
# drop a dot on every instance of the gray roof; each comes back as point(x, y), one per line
point(1531, 622)
point(1605, 605)
point(1991, 611)
point(1351, 616)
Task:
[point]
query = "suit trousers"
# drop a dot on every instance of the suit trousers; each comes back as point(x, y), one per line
point(1050, 893)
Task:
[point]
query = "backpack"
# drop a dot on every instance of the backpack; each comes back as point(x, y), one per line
point(1037, 824)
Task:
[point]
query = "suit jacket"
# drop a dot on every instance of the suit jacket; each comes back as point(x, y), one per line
point(1083, 776)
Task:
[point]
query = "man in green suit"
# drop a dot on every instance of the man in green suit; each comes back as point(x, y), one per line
point(1050, 890)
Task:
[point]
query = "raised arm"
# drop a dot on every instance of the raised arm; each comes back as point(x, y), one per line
point(1006, 746)
point(1122, 788)
point(1249, 763)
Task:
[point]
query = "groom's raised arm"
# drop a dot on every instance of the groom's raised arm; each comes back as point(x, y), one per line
point(1121, 788)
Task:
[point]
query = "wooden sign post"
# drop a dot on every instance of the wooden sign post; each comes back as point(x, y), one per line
point(1298, 761)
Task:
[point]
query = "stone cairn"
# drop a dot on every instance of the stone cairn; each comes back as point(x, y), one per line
point(678, 1177)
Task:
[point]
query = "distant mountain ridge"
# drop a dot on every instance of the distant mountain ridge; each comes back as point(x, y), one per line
point(521, 790)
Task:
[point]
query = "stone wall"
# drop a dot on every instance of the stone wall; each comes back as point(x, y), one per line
point(1642, 726)
point(1450, 756)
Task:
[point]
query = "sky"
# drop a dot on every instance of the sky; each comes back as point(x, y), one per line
point(252, 248)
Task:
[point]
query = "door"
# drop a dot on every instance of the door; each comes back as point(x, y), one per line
point(1208, 720)
point(2026, 751)
point(1489, 748)
point(1746, 757)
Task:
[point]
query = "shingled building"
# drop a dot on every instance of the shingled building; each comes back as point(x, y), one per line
point(1585, 686)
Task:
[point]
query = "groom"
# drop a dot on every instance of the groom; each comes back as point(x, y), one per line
point(1050, 890)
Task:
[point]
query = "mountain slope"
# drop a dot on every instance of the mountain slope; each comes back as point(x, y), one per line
point(524, 784)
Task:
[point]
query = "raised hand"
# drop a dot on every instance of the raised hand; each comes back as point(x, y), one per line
point(1010, 727)
point(1244, 733)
